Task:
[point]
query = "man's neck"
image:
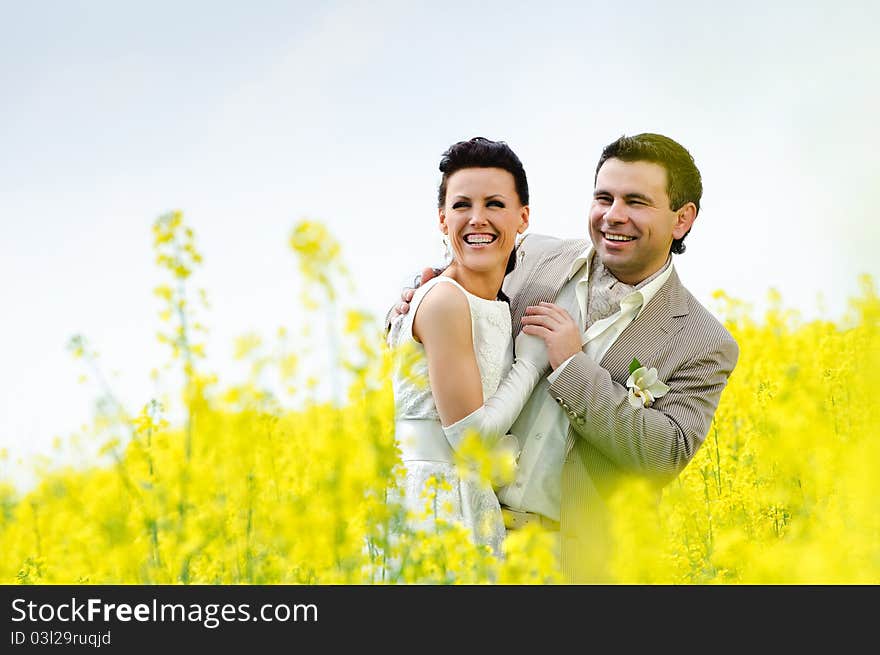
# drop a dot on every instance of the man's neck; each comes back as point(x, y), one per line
point(641, 279)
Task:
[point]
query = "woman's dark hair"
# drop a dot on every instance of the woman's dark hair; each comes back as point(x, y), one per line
point(481, 152)
point(683, 181)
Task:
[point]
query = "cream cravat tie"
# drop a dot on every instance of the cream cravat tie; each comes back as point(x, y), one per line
point(605, 293)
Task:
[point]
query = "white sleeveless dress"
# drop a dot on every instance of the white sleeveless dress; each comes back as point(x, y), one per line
point(426, 452)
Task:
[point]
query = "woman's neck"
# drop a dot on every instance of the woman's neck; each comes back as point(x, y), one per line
point(485, 284)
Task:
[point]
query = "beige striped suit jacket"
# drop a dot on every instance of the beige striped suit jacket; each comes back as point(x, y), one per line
point(608, 439)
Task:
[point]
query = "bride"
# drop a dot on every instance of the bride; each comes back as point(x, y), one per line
point(458, 334)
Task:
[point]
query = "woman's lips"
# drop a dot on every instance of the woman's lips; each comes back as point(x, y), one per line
point(479, 239)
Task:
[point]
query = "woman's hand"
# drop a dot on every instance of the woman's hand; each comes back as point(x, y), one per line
point(556, 327)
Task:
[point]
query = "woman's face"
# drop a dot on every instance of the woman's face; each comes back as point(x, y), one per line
point(482, 216)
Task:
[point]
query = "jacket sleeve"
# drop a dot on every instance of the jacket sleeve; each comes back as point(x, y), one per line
point(389, 318)
point(658, 441)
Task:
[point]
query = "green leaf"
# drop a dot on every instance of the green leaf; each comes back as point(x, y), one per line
point(634, 365)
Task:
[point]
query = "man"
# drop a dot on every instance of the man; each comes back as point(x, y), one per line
point(589, 424)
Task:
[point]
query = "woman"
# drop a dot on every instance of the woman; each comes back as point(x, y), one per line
point(458, 336)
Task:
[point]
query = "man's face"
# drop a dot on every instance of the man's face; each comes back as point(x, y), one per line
point(631, 223)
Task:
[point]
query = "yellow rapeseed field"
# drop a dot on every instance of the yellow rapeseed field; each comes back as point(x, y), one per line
point(256, 486)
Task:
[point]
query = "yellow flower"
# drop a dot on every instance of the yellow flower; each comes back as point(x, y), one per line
point(250, 488)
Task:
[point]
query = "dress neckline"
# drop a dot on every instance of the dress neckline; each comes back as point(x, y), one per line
point(472, 295)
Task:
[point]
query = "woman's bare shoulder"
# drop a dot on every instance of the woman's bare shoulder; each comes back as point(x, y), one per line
point(443, 310)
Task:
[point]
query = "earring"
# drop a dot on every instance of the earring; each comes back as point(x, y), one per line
point(447, 251)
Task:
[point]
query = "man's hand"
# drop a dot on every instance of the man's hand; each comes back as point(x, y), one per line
point(556, 327)
point(406, 295)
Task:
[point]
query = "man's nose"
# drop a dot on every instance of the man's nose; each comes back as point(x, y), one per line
point(616, 213)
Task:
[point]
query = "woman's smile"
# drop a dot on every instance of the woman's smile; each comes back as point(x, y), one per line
point(479, 240)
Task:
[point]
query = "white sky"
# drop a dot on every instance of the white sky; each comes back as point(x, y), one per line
point(251, 116)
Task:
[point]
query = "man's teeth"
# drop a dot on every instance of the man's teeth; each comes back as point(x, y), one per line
point(618, 237)
point(479, 238)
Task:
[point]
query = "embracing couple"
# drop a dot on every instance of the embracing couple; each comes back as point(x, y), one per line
point(587, 358)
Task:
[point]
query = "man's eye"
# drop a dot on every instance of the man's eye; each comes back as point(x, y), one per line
point(603, 199)
point(461, 204)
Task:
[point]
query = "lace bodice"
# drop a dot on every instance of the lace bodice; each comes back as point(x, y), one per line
point(491, 329)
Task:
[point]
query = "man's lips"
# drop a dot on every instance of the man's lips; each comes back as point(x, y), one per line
point(617, 238)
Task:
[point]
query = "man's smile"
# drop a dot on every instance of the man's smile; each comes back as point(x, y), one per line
point(618, 238)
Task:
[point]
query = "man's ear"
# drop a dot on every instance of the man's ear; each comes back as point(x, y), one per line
point(524, 217)
point(684, 220)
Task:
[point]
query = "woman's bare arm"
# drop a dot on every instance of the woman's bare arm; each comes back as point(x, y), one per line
point(443, 325)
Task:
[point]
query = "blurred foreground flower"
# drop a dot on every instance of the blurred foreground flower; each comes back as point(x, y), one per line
point(255, 487)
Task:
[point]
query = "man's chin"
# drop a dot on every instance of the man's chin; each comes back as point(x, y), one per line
point(618, 266)
point(611, 259)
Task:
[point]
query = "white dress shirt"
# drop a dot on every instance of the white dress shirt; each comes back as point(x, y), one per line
point(542, 426)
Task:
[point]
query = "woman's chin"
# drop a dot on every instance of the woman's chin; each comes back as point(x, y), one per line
point(478, 263)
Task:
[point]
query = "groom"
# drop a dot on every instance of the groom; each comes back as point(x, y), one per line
point(590, 424)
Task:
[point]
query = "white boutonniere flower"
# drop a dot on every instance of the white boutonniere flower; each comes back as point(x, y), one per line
point(644, 387)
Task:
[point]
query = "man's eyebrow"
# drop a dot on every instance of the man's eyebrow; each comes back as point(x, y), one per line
point(634, 195)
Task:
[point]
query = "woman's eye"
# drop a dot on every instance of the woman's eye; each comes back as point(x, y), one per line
point(495, 203)
point(461, 204)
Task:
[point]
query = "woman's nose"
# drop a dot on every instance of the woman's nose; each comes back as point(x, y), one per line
point(477, 216)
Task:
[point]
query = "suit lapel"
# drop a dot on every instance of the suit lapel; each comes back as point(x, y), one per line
point(543, 282)
point(644, 337)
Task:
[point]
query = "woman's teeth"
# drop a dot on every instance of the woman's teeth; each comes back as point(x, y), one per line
point(475, 239)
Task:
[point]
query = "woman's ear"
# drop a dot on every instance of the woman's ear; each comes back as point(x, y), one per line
point(524, 219)
point(444, 228)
